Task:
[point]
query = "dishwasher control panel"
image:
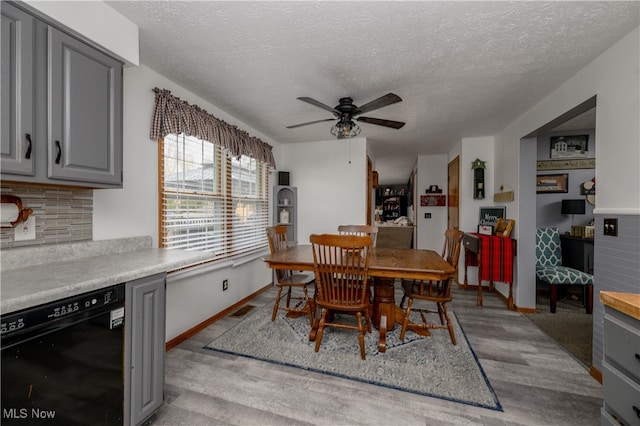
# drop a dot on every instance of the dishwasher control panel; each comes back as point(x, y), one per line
point(61, 309)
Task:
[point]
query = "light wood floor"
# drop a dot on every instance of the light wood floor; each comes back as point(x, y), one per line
point(536, 381)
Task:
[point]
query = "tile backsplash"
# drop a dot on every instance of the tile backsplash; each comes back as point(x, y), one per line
point(62, 214)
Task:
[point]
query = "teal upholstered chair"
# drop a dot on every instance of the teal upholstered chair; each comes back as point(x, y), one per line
point(549, 268)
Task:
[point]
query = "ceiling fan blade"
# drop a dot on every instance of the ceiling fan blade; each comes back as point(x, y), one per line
point(381, 122)
point(388, 99)
point(319, 104)
point(310, 122)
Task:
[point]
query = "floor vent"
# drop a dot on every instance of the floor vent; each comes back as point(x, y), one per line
point(240, 312)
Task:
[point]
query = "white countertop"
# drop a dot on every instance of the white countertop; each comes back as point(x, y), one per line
point(42, 282)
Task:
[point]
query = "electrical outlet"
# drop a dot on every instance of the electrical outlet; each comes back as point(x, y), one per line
point(427, 215)
point(26, 230)
point(225, 285)
point(611, 227)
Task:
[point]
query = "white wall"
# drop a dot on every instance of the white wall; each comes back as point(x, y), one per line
point(133, 210)
point(614, 78)
point(195, 295)
point(475, 148)
point(471, 149)
point(331, 177)
point(94, 20)
point(432, 170)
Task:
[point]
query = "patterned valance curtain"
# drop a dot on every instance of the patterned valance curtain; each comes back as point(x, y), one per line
point(173, 115)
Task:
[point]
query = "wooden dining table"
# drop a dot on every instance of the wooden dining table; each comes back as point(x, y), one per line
point(385, 265)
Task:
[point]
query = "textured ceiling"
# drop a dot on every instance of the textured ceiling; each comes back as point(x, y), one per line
point(462, 68)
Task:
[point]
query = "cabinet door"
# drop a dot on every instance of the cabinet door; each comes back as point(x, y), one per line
point(17, 130)
point(145, 347)
point(85, 112)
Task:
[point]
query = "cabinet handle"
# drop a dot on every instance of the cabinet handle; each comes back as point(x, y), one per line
point(59, 152)
point(638, 357)
point(27, 154)
point(637, 410)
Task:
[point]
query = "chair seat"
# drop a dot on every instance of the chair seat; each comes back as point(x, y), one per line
point(563, 275)
point(341, 265)
point(438, 292)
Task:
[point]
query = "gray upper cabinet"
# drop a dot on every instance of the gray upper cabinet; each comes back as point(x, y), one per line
point(62, 99)
point(85, 111)
point(17, 128)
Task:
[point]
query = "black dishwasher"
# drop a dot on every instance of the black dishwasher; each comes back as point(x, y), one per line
point(63, 362)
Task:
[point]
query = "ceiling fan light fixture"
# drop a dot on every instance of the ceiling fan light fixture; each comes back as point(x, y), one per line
point(345, 129)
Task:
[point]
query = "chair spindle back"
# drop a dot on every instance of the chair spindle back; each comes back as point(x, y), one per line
point(341, 264)
point(361, 230)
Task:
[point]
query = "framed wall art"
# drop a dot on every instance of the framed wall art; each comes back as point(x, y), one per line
point(504, 227)
point(485, 229)
point(569, 146)
point(552, 184)
point(490, 215)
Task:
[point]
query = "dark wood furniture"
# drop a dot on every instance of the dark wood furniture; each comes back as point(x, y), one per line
point(341, 265)
point(393, 207)
point(278, 242)
point(385, 265)
point(438, 292)
point(577, 253)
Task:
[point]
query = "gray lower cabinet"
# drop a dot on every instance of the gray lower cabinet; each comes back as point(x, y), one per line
point(621, 369)
point(144, 347)
point(63, 101)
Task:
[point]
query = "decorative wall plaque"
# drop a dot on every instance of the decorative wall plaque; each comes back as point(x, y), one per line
point(433, 200)
point(586, 163)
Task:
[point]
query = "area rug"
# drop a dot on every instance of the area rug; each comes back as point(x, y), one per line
point(429, 366)
point(570, 326)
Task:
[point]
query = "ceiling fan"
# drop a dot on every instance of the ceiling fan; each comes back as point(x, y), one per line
point(346, 112)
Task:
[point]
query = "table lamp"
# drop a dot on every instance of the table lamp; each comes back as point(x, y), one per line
point(573, 207)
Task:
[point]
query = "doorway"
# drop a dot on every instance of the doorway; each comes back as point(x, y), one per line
point(543, 210)
point(453, 191)
point(372, 184)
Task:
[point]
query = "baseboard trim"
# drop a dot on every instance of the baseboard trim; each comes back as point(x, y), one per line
point(526, 310)
point(505, 299)
point(596, 374)
point(206, 323)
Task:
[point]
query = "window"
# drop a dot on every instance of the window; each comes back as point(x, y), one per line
point(210, 201)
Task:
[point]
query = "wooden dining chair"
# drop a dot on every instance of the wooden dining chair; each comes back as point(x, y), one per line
point(362, 230)
point(285, 279)
point(341, 265)
point(438, 292)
